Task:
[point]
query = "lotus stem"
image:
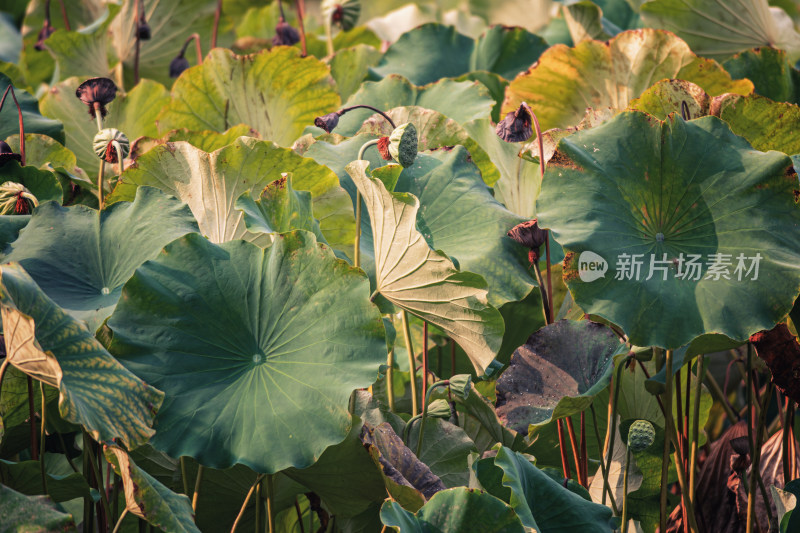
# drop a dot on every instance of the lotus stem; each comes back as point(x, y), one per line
point(625, 494)
point(246, 501)
point(119, 522)
point(543, 290)
point(198, 480)
point(755, 474)
point(584, 454)
point(87, 443)
point(3, 368)
point(785, 439)
point(184, 477)
point(606, 486)
point(139, 9)
point(299, 10)
point(215, 31)
point(100, 177)
point(271, 503)
point(32, 415)
point(540, 143)
point(719, 395)
point(612, 426)
point(452, 358)
point(299, 516)
point(259, 521)
point(197, 47)
point(364, 106)
point(42, 442)
point(329, 35)
point(115, 492)
point(562, 446)
point(120, 155)
point(698, 386)
point(10, 88)
point(424, 360)
point(390, 379)
point(412, 366)
point(573, 442)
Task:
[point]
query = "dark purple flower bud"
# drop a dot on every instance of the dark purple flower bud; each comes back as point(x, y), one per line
point(529, 235)
point(285, 35)
point(6, 154)
point(97, 91)
point(327, 122)
point(143, 30)
point(46, 31)
point(517, 126)
point(178, 65)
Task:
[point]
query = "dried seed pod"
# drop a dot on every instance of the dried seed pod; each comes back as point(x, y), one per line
point(342, 13)
point(327, 122)
point(517, 126)
point(97, 91)
point(285, 35)
point(16, 199)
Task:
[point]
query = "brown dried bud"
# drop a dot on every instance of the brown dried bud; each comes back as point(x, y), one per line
point(517, 126)
point(285, 35)
point(327, 122)
point(529, 235)
point(178, 65)
point(383, 148)
point(46, 31)
point(97, 90)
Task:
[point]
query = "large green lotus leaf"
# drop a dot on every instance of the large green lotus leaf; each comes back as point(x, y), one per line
point(84, 52)
point(544, 505)
point(519, 183)
point(423, 281)
point(147, 498)
point(350, 66)
point(721, 29)
point(434, 51)
point(445, 449)
point(719, 197)
point(557, 373)
point(434, 130)
point(45, 153)
point(454, 511)
point(81, 260)
point(601, 19)
point(95, 390)
point(210, 183)
point(769, 70)
point(133, 113)
point(279, 338)
point(33, 119)
point(767, 125)
point(31, 513)
point(170, 23)
point(276, 92)
point(209, 141)
point(595, 74)
point(279, 209)
point(26, 477)
point(43, 184)
point(459, 100)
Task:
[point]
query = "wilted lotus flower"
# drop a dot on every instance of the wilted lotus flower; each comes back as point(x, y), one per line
point(7, 154)
point(517, 126)
point(46, 31)
point(285, 35)
point(328, 122)
point(143, 29)
point(16, 199)
point(178, 65)
point(403, 144)
point(342, 13)
point(383, 148)
point(103, 144)
point(97, 91)
point(529, 234)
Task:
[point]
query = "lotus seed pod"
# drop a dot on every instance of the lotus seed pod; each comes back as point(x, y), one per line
point(641, 436)
point(15, 199)
point(403, 144)
point(103, 144)
point(342, 13)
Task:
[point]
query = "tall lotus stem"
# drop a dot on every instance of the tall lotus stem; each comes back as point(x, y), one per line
point(271, 503)
point(357, 243)
point(426, 401)
point(390, 379)
point(329, 35)
point(606, 486)
point(695, 436)
point(63, 14)
point(625, 494)
point(562, 446)
point(31, 415)
point(10, 88)
point(612, 426)
point(540, 143)
point(139, 9)
point(198, 480)
point(424, 359)
point(217, 15)
point(102, 171)
point(41, 441)
point(299, 9)
point(755, 474)
point(573, 442)
point(246, 501)
point(412, 365)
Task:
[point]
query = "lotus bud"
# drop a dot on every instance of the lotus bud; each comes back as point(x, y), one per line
point(104, 147)
point(285, 35)
point(530, 235)
point(383, 148)
point(517, 126)
point(403, 144)
point(178, 65)
point(16, 199)
point(97, 91)
point(46, 31)
point(328, 122)
point(7, 154)
point(641, 436)
point(342, 13)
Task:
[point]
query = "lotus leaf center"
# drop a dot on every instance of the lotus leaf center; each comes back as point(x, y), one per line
point(659, 237)
point(105, 291)
point(257, 358)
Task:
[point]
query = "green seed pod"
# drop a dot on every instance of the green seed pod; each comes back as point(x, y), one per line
point(403, 144)
point(342, 13)
point(103, 144)
point(641, 436)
